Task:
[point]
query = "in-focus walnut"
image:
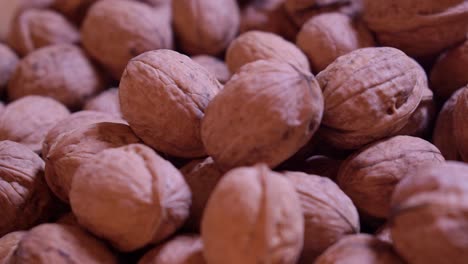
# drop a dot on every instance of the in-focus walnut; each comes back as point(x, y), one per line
point(429, 215)
point(37, 28)
point(265, 113)
point(75, 10)
point(205, 26)
point(8, 62)
point(360, 248)
point(257, 45)
point(163, 96)
point(370, 175)
point(106, 102)
point(418, 27)
point(61, 71)
point(114, 31)
point(214, 65)
point(71, 149)
point(8, 245)
point(253, 216)
point(328, 36)
point(329, 214)
point(27, 120)
point(130, 196)
point(182, 249)
point(460, 123)
point(56, 243)
point(369, 94)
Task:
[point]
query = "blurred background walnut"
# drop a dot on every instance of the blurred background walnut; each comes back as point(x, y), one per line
point(182, 249)
point(8, 62)
point(214, 65)
point(106, 102)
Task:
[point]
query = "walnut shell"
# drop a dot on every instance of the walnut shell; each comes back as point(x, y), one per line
point(75, 10)
point(8, 62)
point(429, 215)
point(130, 196)
point(329, 214)
point(114, 31)
point(28, 119)
point(68, 219)
point(61, 71)
point(460, 123)
point(319, 165)
point(106, 102)
point(8, 245)
point(253, 216)
point(214, 65)
point(257, 45)
point(163, 96)
point(369, 94)
point(384, 233)
point(182, 249)
point(265, 113)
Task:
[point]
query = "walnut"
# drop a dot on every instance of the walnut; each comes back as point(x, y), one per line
point(360, 248)
point(328, 36)
point(71, 149)
point(165, 107)
point(256, 45)
point(419, 28)
point(130, 196)
point(75, 10)
point(36, 28)
point(429, 215)
point(265, 113)
point(460, 124)
point(61, 71)
point(384, 233)
point(319, 165)
point(114, 31)
point(205, 26)
point(329, 214)
point(68, 219)
point(371, 174)
point(28, 119)
point(253, 216)
point(106, 102)
point(182, 249)
point(8, 245)
point(369, 94)
point(8, 62)
point(214, 65)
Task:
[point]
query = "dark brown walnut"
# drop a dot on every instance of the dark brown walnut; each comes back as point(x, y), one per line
point(27, 120)
point(326, 37)
point(329, 214)
point(265, 113)
point(61, 71)
point(106, 102)
point(8, 62)
point(370, 175)
point(257, 45)
point(61, 244)
point(253, 216)
point(369, 94)
point(78, 146)
point(429, 215)
point(319, 165)
point(37, 28)
point(8, 245)
point(74, 10)
point(360, 248)
point(68, 219)
point(214, 65)
point(163, 96)
point(114, 31)
point(460, 124)
point(130, 196)
point(418, 27)
point(182, 249)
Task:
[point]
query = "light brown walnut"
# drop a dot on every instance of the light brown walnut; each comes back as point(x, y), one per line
point(214, 65)
point(106, 102)
point(182, 249)
point(8, 245)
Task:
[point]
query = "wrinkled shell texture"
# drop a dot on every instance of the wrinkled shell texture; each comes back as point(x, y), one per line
point(24, 195)
point(36, 28)
point(369, 176)
point(163, 96)
point(326, 37)
point(329, 214)
point(256, 45)
point(114, 31)
point(71, 149)
point(183, 249)
point(460, 123)
point(205, 26)
point(8, 62)
point(265, 113)
point(8, 245)
point(360, 249)
point(106, 102)
point(369, 94)
point(62, 72)
point(55, 243)
point(253, 216)
point(27, 120)
point(432, 204)
point(130, 196)
point(417, 27)
point(214, 65)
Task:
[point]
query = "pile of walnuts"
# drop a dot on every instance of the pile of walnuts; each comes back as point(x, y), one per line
point(234, 132)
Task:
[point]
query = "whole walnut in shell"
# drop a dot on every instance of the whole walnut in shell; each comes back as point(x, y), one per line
point(114, 31)
point(429, 215)
point(163, 96)
point(253, 216)
point(106, 102)
point(27, 120)
point(37, 28)
point(75, 10)
point(182, 249)
point(8, 62)
point(8, 245)
point(369, 94)
point(214, 65)
point(62, 72)
point(265, 113)
point(460, 123)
